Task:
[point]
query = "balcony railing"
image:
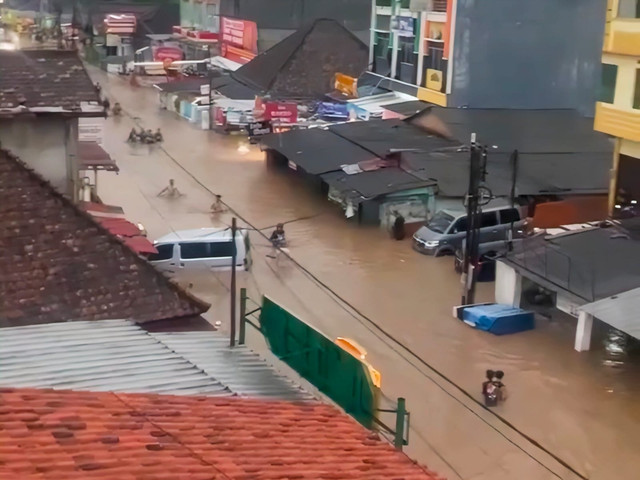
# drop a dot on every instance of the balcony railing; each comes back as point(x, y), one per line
point(617, 122)
point(440, 6)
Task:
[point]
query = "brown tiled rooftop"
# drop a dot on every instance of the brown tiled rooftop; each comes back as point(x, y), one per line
point(44, 79)
point(58, 264)
point(85, 435)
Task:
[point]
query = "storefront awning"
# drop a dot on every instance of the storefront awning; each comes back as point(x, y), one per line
point(140, 245)
point(92, 156)
point(119, 226)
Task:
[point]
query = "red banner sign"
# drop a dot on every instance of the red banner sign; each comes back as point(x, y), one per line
point(281, 112)
point(239, 39)
point(160, 54)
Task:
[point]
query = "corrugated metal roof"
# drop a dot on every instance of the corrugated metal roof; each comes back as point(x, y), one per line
point(620, 311)
point(239, 368)
point(119, 356)
point(110, 355)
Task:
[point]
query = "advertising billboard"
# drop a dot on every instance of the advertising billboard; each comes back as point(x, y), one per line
point(238, 39)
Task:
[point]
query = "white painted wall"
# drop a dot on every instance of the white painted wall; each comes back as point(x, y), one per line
point(42, 144)
point(508, 288)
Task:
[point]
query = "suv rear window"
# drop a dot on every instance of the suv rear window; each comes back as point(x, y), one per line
point(190, 251)
point(509, 215)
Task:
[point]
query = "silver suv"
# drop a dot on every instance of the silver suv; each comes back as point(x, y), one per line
point(447, 229)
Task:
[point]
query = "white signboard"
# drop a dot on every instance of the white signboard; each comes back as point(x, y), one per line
point(91, 130)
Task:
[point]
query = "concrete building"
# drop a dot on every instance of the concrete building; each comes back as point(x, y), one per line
point(276, 20)
point(589, 271)
point(490, 53)
point(618, 106)
point(43, 94)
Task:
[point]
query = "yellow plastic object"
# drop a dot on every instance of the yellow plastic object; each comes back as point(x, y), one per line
point(360, 353)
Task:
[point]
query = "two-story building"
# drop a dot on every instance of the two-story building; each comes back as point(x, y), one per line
point(45, 96)
point(618, 106)
point(490, 53)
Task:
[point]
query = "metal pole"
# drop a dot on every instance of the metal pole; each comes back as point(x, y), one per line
point(210, 101)
point(243, 314)
point(232, 330)
point(401, 412)
point(514, 179)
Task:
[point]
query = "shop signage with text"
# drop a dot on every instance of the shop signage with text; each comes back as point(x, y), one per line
point(239, 39)
point(346, 84)
point(259, 128)
point(160, 54)
point(283, 112)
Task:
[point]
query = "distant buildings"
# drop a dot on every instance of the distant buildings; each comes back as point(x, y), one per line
point(43, 96)
point(489, 53)
point(618, 106)
point(275, 20)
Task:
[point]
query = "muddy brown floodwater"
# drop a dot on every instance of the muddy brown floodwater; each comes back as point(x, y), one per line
point(581, 407)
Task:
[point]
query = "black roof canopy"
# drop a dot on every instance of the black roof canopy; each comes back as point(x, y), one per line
point(303, 64)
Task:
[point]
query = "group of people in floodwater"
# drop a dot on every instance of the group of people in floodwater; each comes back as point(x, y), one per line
point(145, 136)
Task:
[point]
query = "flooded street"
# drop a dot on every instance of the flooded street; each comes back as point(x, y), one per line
point(354, 281)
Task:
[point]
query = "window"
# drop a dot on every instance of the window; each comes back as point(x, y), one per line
point(165, 252)
point(190, 251)
point(194, 250)
point(509, 215)
point(629, 8)
point(221, 249)
point(460, 226)
point(636, 92)
point(608, 85)
point(489, 219)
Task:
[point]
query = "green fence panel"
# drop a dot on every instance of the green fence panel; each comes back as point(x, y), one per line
point(335, 372)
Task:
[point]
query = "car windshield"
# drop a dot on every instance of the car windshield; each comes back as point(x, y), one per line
point(440, 222)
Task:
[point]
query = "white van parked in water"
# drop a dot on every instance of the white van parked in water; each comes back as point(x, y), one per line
point(201, 249)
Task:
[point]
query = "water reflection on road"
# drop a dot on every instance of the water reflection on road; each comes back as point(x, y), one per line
point(582, 407)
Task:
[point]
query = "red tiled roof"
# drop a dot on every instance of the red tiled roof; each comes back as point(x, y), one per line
point(44, 79)
point(85, 435)
point(58, 264)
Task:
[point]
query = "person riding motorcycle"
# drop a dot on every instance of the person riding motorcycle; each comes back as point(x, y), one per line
point(278, 238)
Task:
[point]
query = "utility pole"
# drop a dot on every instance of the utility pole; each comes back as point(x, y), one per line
point(234, 254)
point(210, 100)
point(477, 163)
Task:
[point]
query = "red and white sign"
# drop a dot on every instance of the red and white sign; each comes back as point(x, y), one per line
point(202, 36)
point(239, 39)
point(124, 24)
point(281, 112)
point(160, 54)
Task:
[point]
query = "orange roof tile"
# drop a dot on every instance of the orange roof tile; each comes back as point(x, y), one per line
point(53, 435)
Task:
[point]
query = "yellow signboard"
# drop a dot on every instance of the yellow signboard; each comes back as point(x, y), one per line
point(434, 80)
point(346, 85)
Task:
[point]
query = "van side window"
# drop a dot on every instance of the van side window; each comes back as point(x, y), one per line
point(165, 252)
point(460, 225)
point(509, 215)
point(190, 251)
point(489, 219)
point(221, 249)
